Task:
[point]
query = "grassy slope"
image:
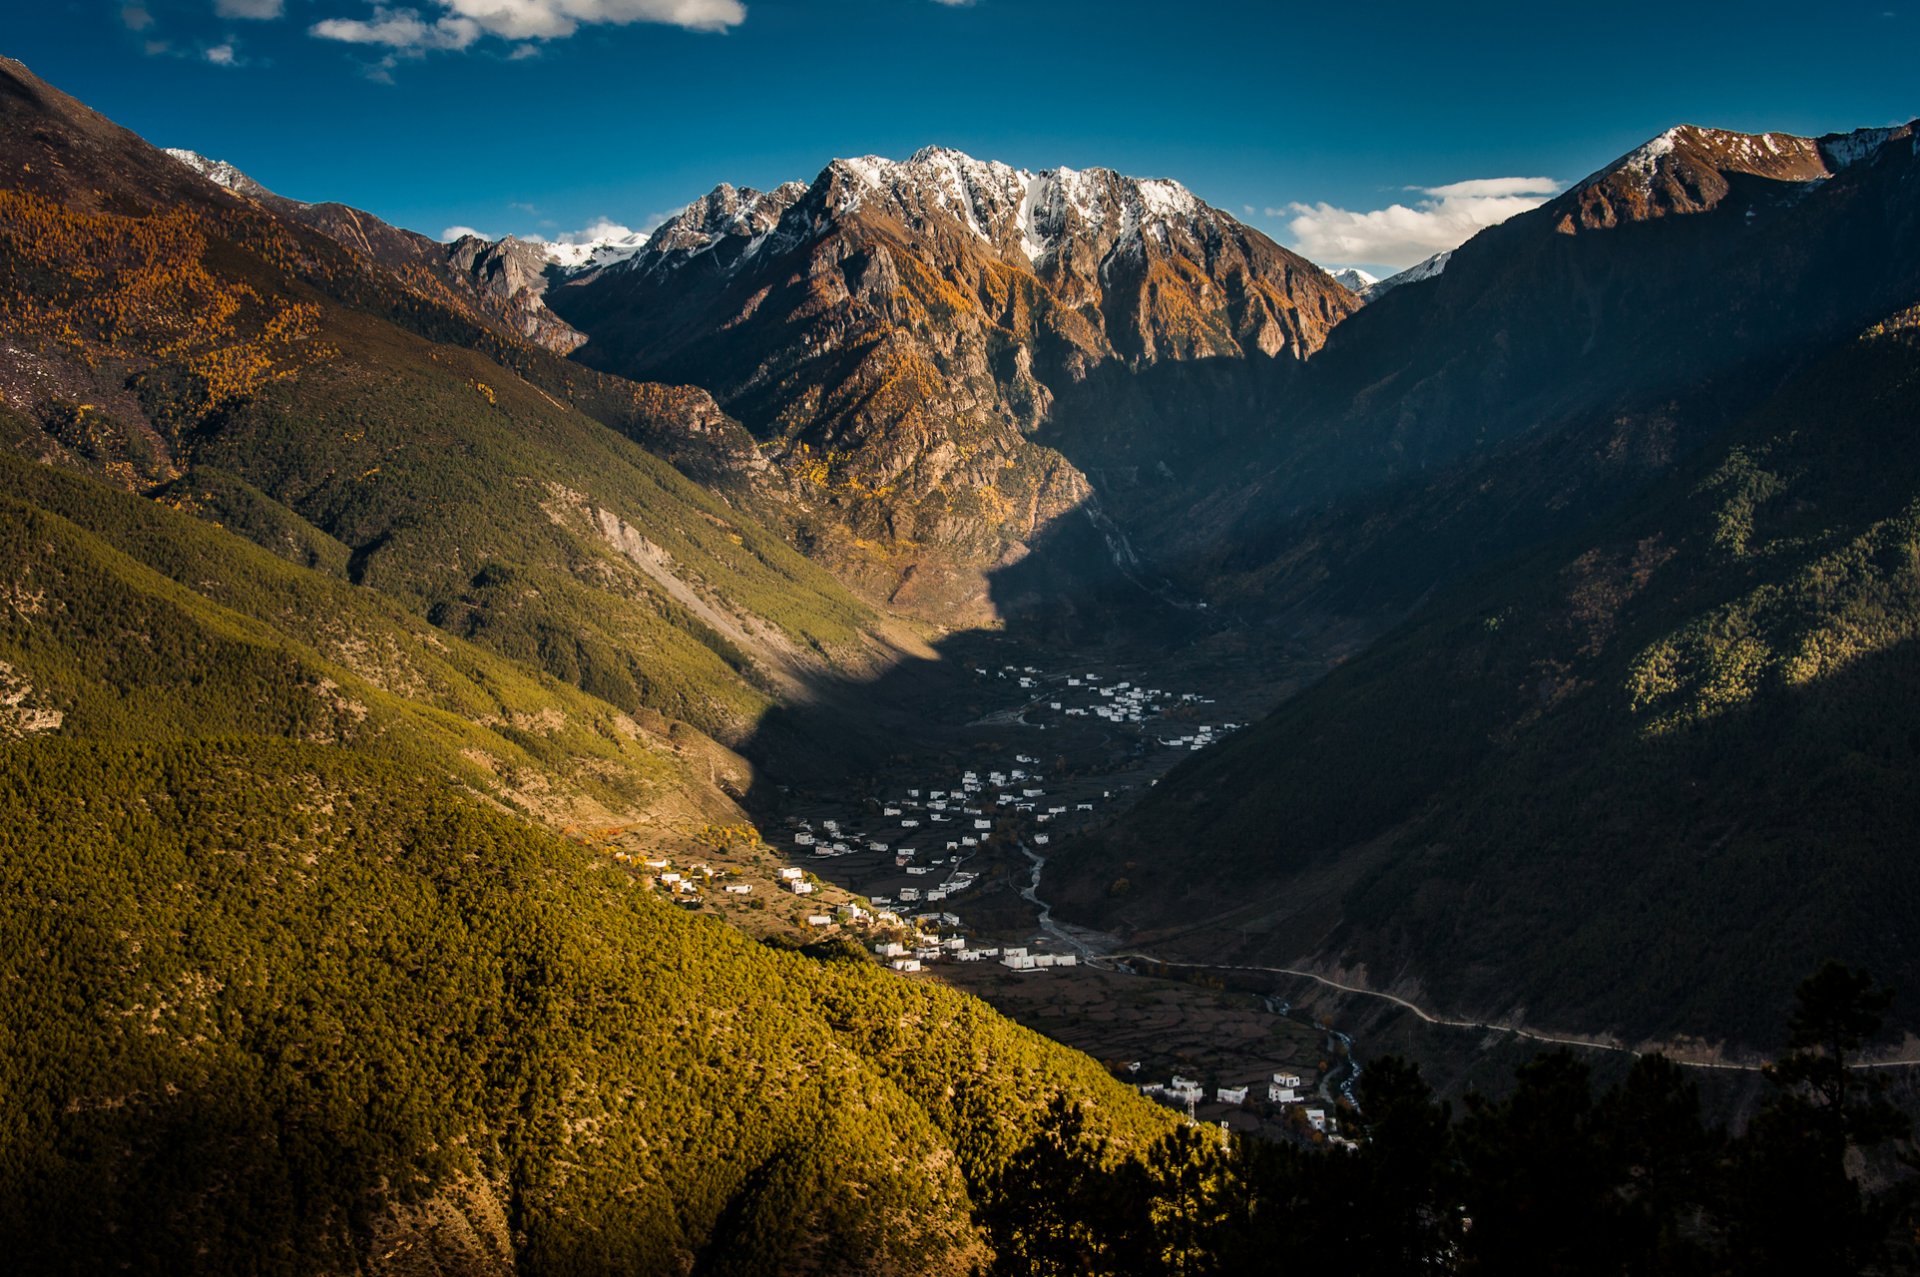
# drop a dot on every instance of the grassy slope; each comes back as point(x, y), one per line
point(1679, 746)
point(135, 621)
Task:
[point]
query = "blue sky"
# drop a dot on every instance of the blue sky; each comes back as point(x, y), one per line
point(543, 116)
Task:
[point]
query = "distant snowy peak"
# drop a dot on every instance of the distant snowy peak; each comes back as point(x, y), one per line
point(1411, 275)
point(1353, 279)
point(219, 172)
point(593, 250)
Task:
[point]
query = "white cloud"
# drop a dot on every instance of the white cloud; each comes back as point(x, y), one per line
point(399, 29)
point(222, 55)
point(461, 232)
point(136, 17)
point(603, 228)
point(261, 9)
point(956, 4)
point(461, 22)
point(1401, 235)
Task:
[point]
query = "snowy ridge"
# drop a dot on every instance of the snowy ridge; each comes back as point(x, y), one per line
point(1778, 155)
point(590, 250)
point(1411, 275)
point(1003, 206)
point(1844, 150)
point(219, 172)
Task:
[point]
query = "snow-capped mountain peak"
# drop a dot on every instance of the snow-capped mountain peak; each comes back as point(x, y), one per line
point(1008, 207)
point(1411, 275)
point(1353, 279)
point(599, 245)
point(219, 172)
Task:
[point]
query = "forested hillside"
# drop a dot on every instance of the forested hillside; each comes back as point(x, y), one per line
point(1678, 744)
point(166, 331)
point(276, 1007)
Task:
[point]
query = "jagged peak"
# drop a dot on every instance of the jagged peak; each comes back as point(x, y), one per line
point(219, 172)
point(1010, 206)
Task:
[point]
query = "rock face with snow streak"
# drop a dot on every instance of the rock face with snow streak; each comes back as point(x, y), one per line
point(937, 352)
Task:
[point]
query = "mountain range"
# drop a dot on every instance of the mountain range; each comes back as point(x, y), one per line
point(348, 576)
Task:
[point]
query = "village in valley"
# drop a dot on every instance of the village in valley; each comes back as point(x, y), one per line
point(935, 870)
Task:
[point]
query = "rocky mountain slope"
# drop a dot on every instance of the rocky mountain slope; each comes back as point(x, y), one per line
point(919, 345)
point(1618, 327)
point(1638, 465)
point(363, 420)
point(503, 281)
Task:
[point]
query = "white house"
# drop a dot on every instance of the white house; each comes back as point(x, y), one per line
point(791, 872)
point(1317, 1119)
point(1286, 1079)
point(889, 948)
point(801, 888)
point(818, 920)
point(1277, 1094)
point(1231, 1094)
point(739, 888)
point(905, 964)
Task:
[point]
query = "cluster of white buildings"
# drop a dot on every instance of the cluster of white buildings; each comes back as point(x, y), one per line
point(1018, 959)
point(1284, 1090)
point(1088, 696)
point(929, 833)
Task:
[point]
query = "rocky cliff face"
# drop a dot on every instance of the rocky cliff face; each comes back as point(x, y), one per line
point(510, 277)
point(920, 346)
